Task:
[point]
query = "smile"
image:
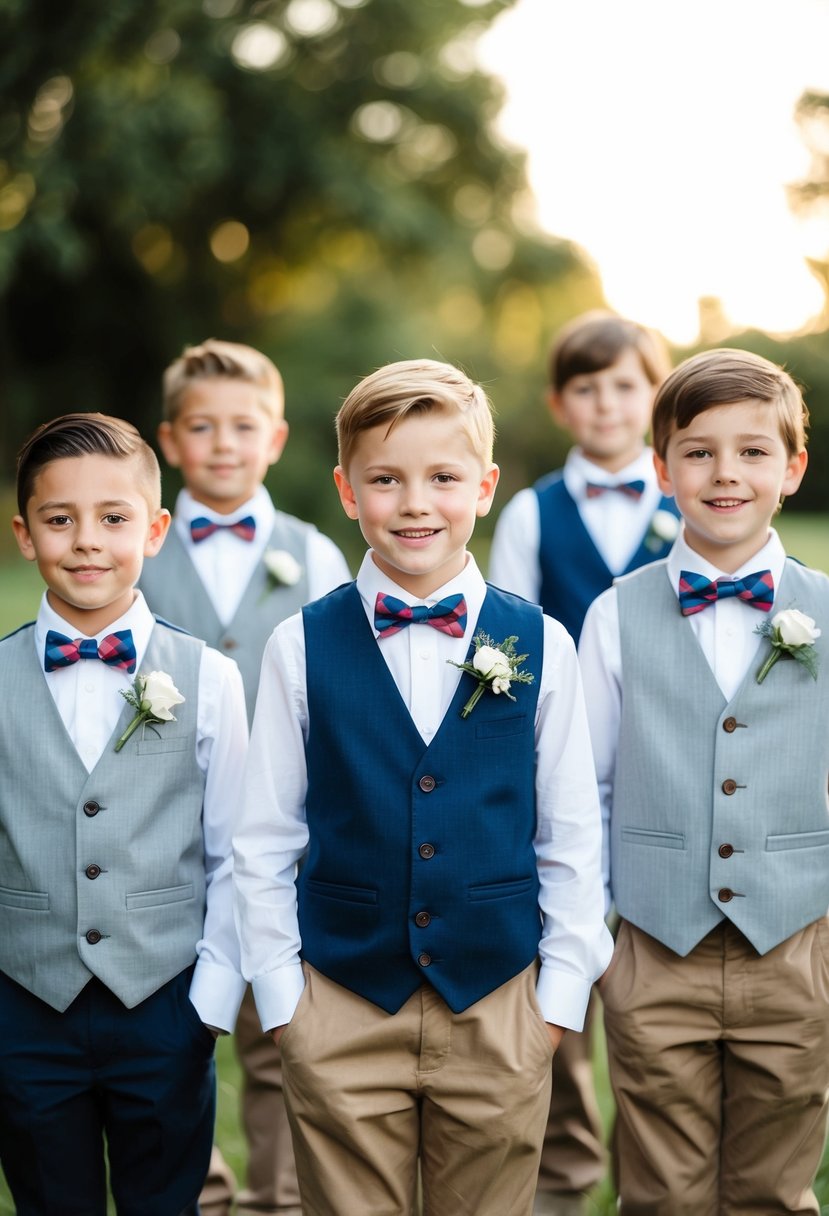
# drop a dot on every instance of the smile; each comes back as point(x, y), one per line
point(416, 533)
point(726, 502)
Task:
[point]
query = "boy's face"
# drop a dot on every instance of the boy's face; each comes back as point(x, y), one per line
point(608, 412)
point(728, 470)
point(417, 493)
point(223, 441)
point(89, 527)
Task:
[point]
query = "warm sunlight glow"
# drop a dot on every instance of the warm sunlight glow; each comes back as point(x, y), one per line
point(661, 138)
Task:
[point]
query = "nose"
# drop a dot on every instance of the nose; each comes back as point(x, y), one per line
point(414, 501)
point(724, 471)
point(86, 536)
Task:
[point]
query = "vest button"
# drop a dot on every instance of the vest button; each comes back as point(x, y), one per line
point(229, 644)
point(92, 871)
point(426, 851)
point(91, 808)
point(424, 959)
point(427, 784)
point(725, 895)
point(422, 919)
point(725, 850)
point(729, 786)
point(93, 937)
point(729, 725)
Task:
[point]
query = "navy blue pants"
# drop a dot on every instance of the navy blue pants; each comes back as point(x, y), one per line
point(142, 1079)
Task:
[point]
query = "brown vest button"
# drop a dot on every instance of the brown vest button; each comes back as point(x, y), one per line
point(729, 725)
point(92, 871)
point(427, 784)
point(725, 895)
point(729, 786)
point(426, 851)
point(93, 937)
point(91, 808)
point(424, 959)
point(422, 920)
point(229, 644)
point(725, 850)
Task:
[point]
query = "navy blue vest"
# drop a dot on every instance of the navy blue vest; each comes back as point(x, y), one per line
point(573, 572)
point(420, 864)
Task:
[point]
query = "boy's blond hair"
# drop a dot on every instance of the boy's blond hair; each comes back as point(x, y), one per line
point(595, 340)
point(726, 377)
point(74, 435)
point(415, 386)
point(215, 359)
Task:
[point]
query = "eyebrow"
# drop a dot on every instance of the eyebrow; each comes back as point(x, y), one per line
point(702, 440)
point(99, 506)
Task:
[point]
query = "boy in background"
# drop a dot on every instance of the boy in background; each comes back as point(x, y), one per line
point(232, 568)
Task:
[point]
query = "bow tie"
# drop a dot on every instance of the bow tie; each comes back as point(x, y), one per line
point(391, 615)
point(202, 527)
point(116, 650)
point(630, 489)
point(697, 592)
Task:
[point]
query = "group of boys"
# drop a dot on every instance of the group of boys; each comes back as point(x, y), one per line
point(419, 858)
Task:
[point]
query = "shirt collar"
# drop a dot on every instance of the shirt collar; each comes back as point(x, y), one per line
point(469, 583)
point(138, 618)
point(771, 557)
point(578, 471)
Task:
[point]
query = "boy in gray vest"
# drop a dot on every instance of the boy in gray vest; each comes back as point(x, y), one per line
point(708, 695)
point(450, 829)
point(232, 568)
point(119, 756)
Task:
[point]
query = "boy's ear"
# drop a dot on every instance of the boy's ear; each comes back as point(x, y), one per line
point(158, 529)
point(346, 493)
point(168, 445)
point(556, 408)
point(23, 538)
point(486, 492)
point(665, 483)
point(794, 473)
point(279, 438)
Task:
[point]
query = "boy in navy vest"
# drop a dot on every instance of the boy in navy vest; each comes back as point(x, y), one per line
point(560, 544)
point(233, 567)
point(449, 830)
point(119, 756)
point(708, 695)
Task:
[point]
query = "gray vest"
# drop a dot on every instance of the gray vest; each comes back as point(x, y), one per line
point(174, 590)
point(101, 873)
point(719, 808)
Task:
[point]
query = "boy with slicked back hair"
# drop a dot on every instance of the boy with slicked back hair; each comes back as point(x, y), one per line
point(708, 698)
point(118, 768)
point(434, 771)
point(233, 567)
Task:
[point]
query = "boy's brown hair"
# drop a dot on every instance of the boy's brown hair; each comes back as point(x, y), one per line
point(415, 386)
point(216, 359)
point(725, 377)
point(74, 435)
point(595, 340)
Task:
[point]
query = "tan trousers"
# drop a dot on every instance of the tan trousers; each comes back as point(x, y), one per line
point(720, 1069)
point(272, 1186)
point(368, 1093)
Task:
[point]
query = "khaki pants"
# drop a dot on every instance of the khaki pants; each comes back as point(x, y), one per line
point(368, 1093)
point(720, 1069)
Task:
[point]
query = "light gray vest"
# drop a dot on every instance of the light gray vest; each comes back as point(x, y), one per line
point(174, 590)
point(101, 873)
point(719, 808)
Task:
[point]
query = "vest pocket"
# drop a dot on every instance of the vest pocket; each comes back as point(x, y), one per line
point(148, 747)
point(336, 890)
point(797, 840)
point(31, 901)
point(154, 899)
point(501, 890)
point(498, 727)
point(659, 840)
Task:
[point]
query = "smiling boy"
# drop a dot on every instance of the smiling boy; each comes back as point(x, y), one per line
point(713, 773)
point(444, 855)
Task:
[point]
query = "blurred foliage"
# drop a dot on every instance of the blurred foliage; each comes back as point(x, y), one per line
point(318, 178)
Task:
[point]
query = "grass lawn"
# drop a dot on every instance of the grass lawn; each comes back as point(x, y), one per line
point(805, 536)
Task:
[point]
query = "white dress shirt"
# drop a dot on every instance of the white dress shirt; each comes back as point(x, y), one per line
point(725, 631)
point(88, 698)
point(616, 523)
point(575, 946)
point(225, 563)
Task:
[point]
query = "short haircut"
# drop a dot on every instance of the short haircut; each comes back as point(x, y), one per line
point(726, 377)
point(415, 386)
point(74, 435)
point(595, 340)
point(215, 359)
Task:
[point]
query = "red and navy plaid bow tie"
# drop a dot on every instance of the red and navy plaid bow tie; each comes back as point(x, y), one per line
point(116, 650)
point(630, 489)
point(697, 592)
point(203, 527)
point(391, 615)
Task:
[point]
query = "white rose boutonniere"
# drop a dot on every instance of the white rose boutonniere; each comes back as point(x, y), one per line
point(495, 668)
point(282, 567)
point(792, 635)
point(662, 530)
point(152, 697)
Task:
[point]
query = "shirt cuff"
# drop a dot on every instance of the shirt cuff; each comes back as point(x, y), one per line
point(277, 994)
point(562, 997)
point(216, 992)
